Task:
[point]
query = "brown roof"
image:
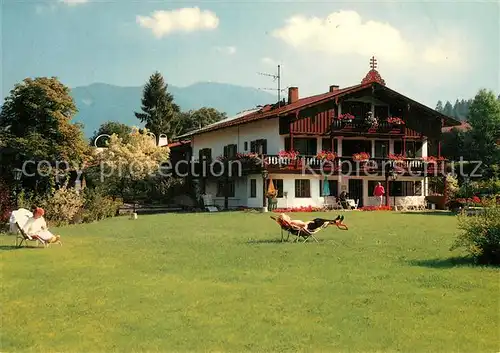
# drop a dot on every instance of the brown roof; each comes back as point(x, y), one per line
point(372, 79)
point(267, 111)
point(464, 126)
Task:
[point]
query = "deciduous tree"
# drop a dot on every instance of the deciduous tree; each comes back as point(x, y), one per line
point(484, 117)
point(109, 128)
point(36, 120)
point(195, 119)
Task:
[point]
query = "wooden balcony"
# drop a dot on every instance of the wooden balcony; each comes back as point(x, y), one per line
point(309, 165)
point(358, 127)
point(348, 166)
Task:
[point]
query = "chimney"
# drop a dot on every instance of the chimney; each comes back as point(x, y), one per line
point(293, 94)
point(334, 88)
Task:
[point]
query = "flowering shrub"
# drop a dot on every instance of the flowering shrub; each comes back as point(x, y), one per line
point(362, 156)
point(471, 200)
point(63, 205)
point(346, 116)
point(397, 157)
point(325, 155)
point(395, 120)
point(433, 159)
point(249, 155)
point(289, 154)
point(375, 208)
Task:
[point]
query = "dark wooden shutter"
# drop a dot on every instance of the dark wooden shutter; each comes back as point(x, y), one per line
point(226, 151)
point(253, 147)
point(264, 146)
point(287, 143)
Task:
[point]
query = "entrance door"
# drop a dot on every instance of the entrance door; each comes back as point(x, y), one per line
point(356, 190)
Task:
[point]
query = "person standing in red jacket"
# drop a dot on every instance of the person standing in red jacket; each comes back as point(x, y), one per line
point(379, 192)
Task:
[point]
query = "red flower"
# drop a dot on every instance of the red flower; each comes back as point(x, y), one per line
point(345, 116)
point(363, 156)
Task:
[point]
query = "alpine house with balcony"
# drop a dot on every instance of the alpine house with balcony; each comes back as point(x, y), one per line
point(350, 138)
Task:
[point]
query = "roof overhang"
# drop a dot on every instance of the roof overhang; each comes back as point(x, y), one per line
point(311, 105)
point(388, 93)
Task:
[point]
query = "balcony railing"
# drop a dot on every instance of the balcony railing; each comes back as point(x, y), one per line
point(306, 164)
point(360, 126)
point(347, 165)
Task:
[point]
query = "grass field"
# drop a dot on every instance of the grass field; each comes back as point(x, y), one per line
point(222, 282)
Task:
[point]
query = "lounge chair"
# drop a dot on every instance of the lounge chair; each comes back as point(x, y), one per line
point(303, 232)
point(22, 237)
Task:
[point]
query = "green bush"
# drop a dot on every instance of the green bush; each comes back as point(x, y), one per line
point(480, 235)
point(96, 206)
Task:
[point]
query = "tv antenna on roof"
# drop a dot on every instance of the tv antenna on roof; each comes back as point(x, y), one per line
point(275, 77)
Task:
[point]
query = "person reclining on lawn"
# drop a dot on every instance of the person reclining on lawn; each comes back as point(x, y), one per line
point(311, 225)
point(36, 225)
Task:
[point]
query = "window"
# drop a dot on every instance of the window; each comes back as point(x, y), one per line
point(349, 147)
point(253, 188)
point(333, 184)
point(326, 145)
point(381, 148)
point(358, 109)
point(398, 147)
point(302, 188)
point(381, 112)
point(230, 189)
point(278, 185)
point(245, 146)
point(205, 154)
point(405, 188)
point(258, 146)
point(305, 146)
point(413, 148)
point(230, 151)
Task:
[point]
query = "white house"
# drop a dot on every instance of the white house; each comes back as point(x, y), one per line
point(400, 137)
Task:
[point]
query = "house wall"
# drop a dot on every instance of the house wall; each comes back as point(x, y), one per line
point(262, 129)
point(242, 191)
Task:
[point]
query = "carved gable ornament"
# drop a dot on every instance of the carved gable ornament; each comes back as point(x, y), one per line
point(373, 75)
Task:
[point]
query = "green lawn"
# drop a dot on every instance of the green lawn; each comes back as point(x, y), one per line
point(221, 282)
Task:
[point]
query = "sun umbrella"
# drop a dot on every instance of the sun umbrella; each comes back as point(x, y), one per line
point(270, 189)
point(326, 187)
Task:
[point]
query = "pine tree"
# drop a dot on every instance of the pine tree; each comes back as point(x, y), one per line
point(448, 109)
point(456, 109)
point(439, 106)
point(158, 107)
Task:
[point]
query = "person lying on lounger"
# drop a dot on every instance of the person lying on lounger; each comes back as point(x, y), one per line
point(36, 225)
point(314, 224)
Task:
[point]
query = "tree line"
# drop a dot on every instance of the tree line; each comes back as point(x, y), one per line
point(482, 141)
point(459, 110)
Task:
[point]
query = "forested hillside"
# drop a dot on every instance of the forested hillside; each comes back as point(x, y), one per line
point(459, 110)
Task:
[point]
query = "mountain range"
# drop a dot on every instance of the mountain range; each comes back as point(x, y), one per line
point(101, 102)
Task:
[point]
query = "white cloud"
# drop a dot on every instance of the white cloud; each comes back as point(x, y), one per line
point(43, 9)
point(229, 50)
point(346, 33)
point(73, 2)
point(268, 61)
point(191, 19)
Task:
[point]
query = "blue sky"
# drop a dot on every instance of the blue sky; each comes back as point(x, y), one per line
point(425, 50)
